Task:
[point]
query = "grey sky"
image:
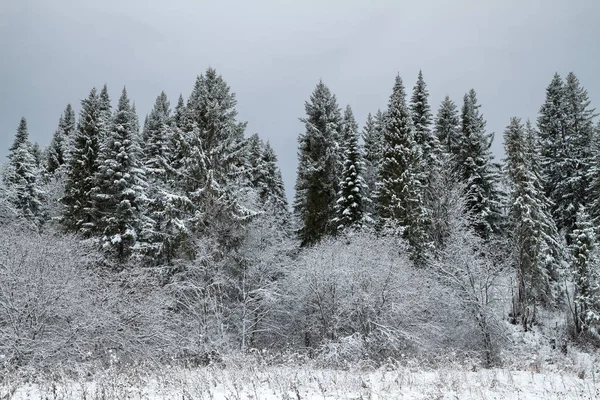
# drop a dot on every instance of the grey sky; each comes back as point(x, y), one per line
point(272, 54)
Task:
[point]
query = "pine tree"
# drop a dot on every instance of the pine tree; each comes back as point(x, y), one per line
point(585, 274)
point(535, 239)
point(372, 135)
point(83, 165)
point(316, 181)
point(21, 176)
point(399, 194)
point(118, 191)
point(477, 170)
point(447, 127)
point(349, 208)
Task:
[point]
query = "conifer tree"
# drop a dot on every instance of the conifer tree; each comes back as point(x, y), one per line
point(212, 173)
point(372, 135)
point(266, 179)
point(59, 150)
point(79, 213)
point(579, 130)
point(21, 176)
point(156, 136)
point(422, 120)
point(105, 106)
point(273, 194)
point(477, 170)
point(349, 208)
point(447, 127)
point(119, 185)
point(535, 239)
point(399, 194)
point(316, 181)
point(566, 130)
point(594, 179)
point(56, 150)
point(584, 269)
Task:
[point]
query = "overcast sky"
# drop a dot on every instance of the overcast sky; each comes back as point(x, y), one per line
point(272, 54)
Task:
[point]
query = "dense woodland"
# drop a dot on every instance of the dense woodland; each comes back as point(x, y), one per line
point(172, 240)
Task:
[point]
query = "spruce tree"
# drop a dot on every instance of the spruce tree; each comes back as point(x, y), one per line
point(477, 170)
point(59, 150)
point(118, 191)
point(266, 179)
point(584, 269)
point(212, 170)
point(579, 130)
point(535, 239)
point(79, 213)
point(594, 179)
point(553, 144)
point(316, 181)
point(22, 176)
point(422, 121)
point(372, 135)
point(156, 136)
point(349, 208)
point(56, 150)
point(447, 127)
point(400, 192)
point(273, 194)
point(566, 130)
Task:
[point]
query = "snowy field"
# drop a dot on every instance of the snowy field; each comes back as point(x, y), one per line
point(246, 382)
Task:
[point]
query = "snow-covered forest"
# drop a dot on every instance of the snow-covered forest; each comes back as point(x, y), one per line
point(169, 241)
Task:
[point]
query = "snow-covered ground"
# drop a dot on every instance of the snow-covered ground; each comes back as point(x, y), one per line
point(248, 382)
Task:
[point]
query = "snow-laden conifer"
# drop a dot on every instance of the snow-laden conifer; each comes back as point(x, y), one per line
point(316, 181)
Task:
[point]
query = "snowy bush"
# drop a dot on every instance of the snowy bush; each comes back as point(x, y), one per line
point(361, 288)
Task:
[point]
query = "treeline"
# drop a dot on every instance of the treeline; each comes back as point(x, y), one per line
point(414, 200)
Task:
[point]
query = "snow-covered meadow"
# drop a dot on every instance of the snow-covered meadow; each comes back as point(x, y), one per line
point(283, 382)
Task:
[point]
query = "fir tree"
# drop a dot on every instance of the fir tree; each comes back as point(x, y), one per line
point(119, 186)
point(399, 195)
point(21, 176)
point(584, 266)
point(349, 209)
point(535, 239)
point(477, 170)
point(83, 165)
point(447, 127)
point(316, 181)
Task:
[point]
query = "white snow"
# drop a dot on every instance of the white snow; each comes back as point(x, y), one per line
point(255, 382)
